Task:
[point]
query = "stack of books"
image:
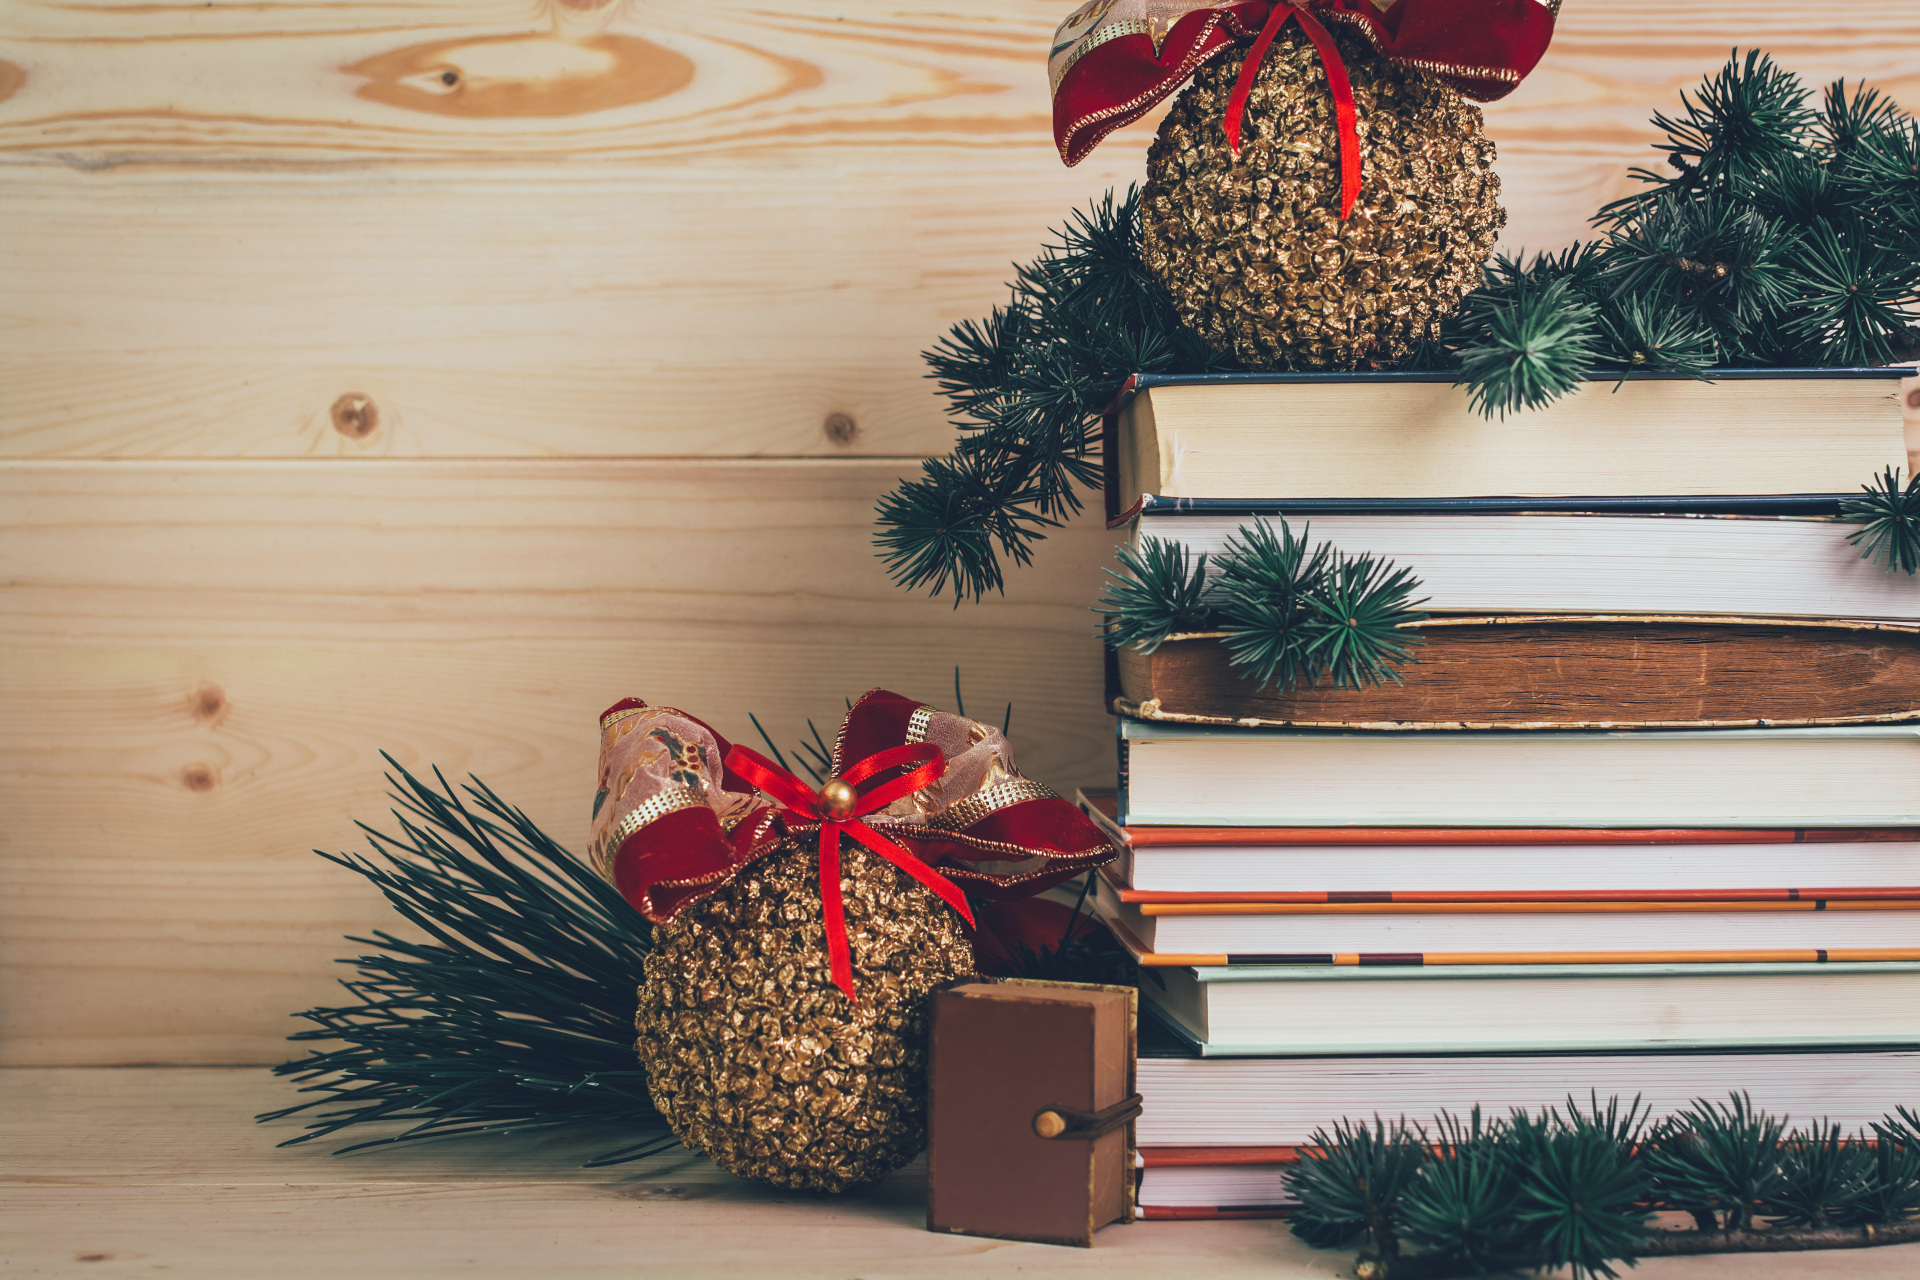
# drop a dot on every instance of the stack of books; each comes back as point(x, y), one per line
point(1643, 820)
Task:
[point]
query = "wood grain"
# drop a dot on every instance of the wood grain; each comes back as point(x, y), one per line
point(153, 1168)
point(622, 229)
point(595, 310)
point(231, 216)
point(204, 660)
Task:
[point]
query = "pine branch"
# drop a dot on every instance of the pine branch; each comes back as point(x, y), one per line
point(1891, 516)
point(1538, 345)
point(1260, 591)
point(1576, 1188)
point(1162, 591)
point(1857, 299)
point(949, 528)
point(1581, 1192)
point(1718, 1157)
point(1290, 613)
point(1845, 122)
point(1460, 1202)
point(1026, 387)
point(1713, 256)
point(1742, 124)
point(1350, 1183)
point(1820, 1171)
point(517, 1016)
point(1655, 339)
point(1356, 640)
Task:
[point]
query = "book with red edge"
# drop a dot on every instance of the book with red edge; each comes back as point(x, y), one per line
point(1194, 864)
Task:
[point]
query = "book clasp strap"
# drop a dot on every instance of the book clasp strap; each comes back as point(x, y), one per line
point(1065, 1122)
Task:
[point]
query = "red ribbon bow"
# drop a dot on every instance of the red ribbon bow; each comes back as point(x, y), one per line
point(838, 811)
point(1345, 114)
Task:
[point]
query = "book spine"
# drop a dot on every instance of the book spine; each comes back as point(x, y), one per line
point(1120, 802)
point(1110, 456)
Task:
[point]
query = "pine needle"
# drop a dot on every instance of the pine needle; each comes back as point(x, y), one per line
point(517, 1016)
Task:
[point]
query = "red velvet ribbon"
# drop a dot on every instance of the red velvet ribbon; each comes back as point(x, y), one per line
point(804, 803)
point(1344, 112)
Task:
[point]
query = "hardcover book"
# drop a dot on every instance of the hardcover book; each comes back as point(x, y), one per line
point(1415, 435)
point(1328, 1010)
point(1563, 672)
point(1850, 776)
point(1216, 1112)
point(1215, 863)
point(1575, 563)
point(1522, 931)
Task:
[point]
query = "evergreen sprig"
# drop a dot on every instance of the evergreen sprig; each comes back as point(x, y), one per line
point(1291, 612)
point(1461, 1202)
point(1721, 1158)
point(517, 1016)
point(1891, 516)
point(1538, 344)
point(1576, 1187)
point(1163, 590)
point(1350, 1184)
point(1581, 1192)
point(1782, 233)
point(1025, 387)
point(1738, 128)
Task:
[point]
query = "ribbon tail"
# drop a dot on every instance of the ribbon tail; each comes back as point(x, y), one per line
point(941, 887)
point(1344, 112)
point(833, 911)
point(1243, 85)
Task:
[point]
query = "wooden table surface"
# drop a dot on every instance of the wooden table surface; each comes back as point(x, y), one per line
point(107, 1171)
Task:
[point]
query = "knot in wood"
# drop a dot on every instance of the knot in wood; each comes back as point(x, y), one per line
point(355, 416)
point(840, 428)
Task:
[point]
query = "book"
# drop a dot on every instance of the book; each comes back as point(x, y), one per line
point(1209, 1213)
point(1848, 776)
point(1328, 1010)
point(1689, 565)
point(1271, 930)
point(1415, 435)
point(1562, 672)
point(1002, 1057)
point(1447, 863)
point(1211, 1109)
point(1231, 1189)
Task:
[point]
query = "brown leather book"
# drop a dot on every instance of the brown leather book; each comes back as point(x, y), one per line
point(1030, 1110)
point(1565, 672)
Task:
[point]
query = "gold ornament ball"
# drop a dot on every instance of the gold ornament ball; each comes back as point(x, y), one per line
point(836, 798)
point(754, 1056)
point(1253, 250)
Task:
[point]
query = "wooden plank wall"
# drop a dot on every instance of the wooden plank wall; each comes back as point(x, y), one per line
point(424, 375)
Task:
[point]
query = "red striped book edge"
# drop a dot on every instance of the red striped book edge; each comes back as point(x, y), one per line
point(1184, 1157)
point(1209, 1213)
